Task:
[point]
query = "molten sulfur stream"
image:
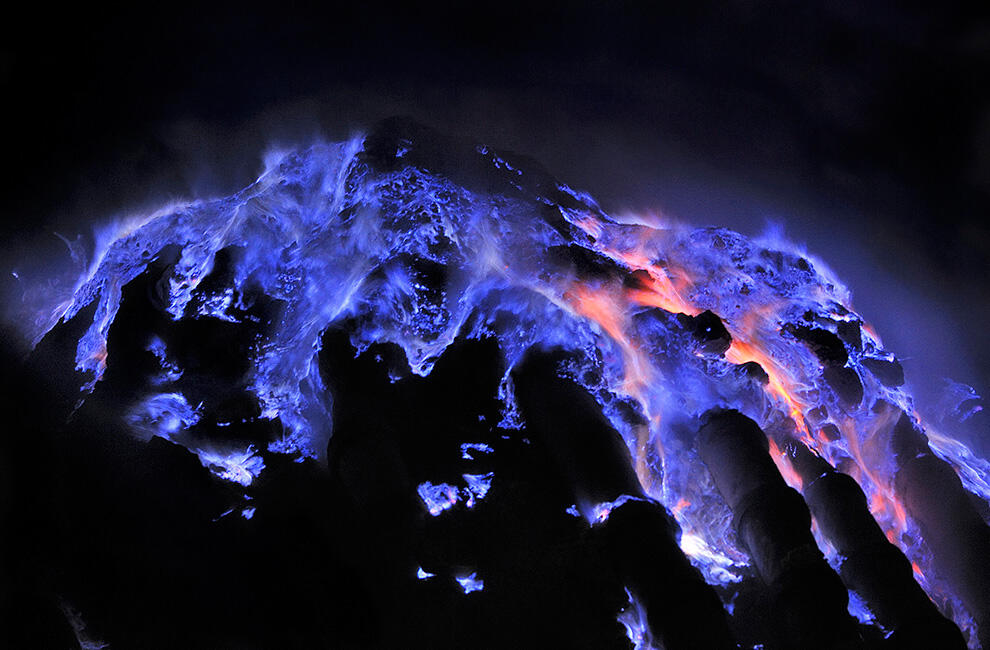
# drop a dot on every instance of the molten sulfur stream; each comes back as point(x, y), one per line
point(755, 338)
point(609, 312)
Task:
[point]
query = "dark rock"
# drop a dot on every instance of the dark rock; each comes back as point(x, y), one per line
point(806, 597)
point(851, 333)
point(586, 264)
point(846, 384)
point(638, 279)
point(827, 346)
point(589, 451)
point(708, 330)
point(958, 537)
point(684, 610)
point(831, 432)
point(873, 567)
point(890, 373)
point(755, 371)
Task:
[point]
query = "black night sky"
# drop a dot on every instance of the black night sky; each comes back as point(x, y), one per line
point(862, 129)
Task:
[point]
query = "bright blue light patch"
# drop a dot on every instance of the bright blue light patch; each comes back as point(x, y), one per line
point(218, 306)
point(478, 486)
point(859, 609)
point(716, 567)
point(170, 371)
point(470, 583)
point(423, 575)
point(477, 447)
point(601, 511)
point(239, 467)
point(437, 497)
point(247, 513)
point(163, 415)
point(633, 618)
point(443, 496)
point(573, 511)
point(296, 443)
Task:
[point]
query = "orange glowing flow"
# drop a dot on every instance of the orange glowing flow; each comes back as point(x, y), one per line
point(100, 357)
point(742, 352)
point(783, 463)
point(590, 225)
point(882, 500)
point(661, 289)
point(659, 284)
point(601, 307)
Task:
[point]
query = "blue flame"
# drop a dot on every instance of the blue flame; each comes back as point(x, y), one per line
point(633, 618)
point(477, 486)
point(240, 467)
point(163, 415)
point(413, 258)
point(468, 450)
point(438, 497)
point(443, 496)
point(470, 582)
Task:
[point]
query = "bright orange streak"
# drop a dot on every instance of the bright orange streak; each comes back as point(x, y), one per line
point(590, 225)
point(742, 352)
point(870, 330)
point(876, 502)
point(882, 498)
point(100, 355)
point(900, 513)
point(660, 290)
point(783, 463)
point(601, 307)
point(655, 299)
point(666, 289)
